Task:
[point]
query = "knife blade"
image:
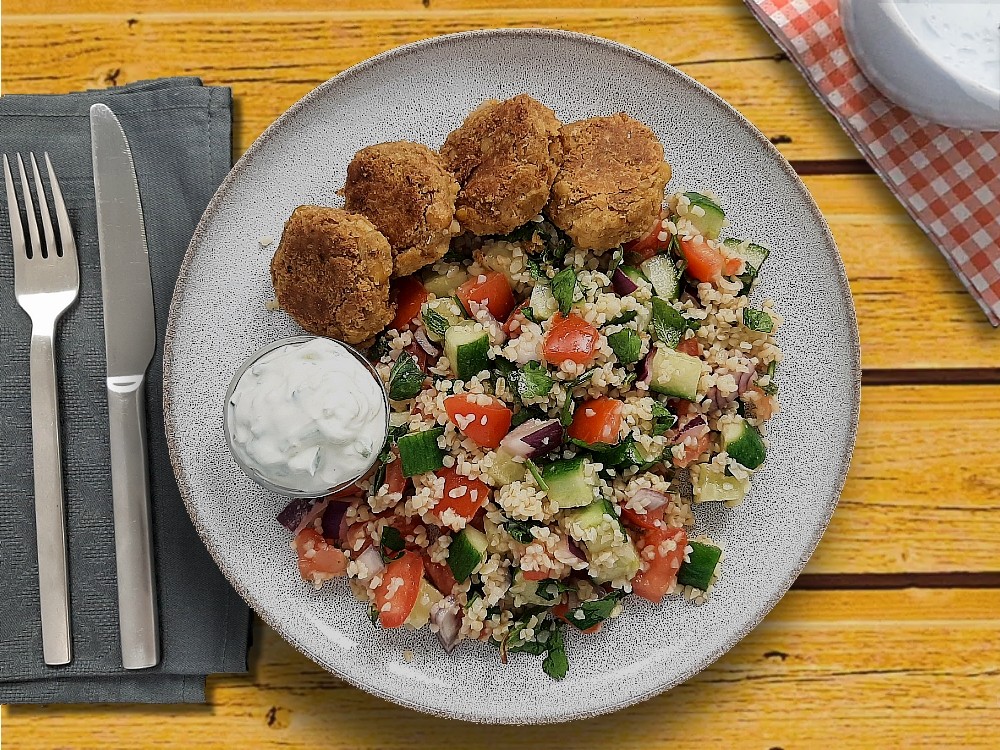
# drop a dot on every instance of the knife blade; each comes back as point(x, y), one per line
point(130, 340)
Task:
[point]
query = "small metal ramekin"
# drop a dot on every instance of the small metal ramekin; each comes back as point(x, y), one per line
point(226, 411)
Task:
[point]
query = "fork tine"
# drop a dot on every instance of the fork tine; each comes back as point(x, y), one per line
point(62, 216)
point(14, 213)
point(29, 209)
point(51, 251)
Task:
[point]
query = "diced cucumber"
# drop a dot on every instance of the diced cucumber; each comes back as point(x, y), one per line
point(497, 256)
point(445, 284)
point(753, 255)
point(543, 303)
point(528, 590)
point(699, 571)
point(505, 469)
point(663, 275)
point(743, 443)
point(427, 597)
point(439, 315)
point(568, 484)
point(466, 551)
point(419, 452)
point(601, 516)
point(467, 346)
point(713, 485)
point(711, 223)
point(626, 345)
point(675, 373)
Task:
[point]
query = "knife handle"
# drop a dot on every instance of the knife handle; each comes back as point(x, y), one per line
point(137, 615)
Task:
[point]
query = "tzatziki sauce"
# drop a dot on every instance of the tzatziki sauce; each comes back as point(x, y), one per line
point(307, 417)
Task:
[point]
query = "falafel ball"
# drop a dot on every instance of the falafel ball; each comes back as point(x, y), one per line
point(331, 273)
point(405, 191)
point(610, 186)
point(505, 156)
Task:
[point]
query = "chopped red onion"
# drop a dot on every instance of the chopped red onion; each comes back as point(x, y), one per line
point(570, 547)
point(645, 372)
point(745, 381)
point(622, 284)
point(650, 499)
point(333, 515)
point(420, 336)
point(371, 561)
point(534, 438)
point(301, 512)
point(690, 427)
point(447, 615)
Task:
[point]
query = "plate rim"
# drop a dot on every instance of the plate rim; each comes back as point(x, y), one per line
point(251, 153)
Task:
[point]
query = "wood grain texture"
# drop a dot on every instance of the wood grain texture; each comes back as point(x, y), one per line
point(863, 669)
point(273, 58)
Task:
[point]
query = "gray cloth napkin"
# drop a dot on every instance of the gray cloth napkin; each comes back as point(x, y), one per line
point(179, 133)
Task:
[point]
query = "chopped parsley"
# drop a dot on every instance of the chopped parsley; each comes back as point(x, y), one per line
point(626, 345)
point(523, 415)
point(625, 317)
point(757, 320)
point(533, 468)
point(667, 323)
point(564, 288)
point(588, 614)
point(520, 531)
point(556, 664)
point(663, 418)
point(391, 544)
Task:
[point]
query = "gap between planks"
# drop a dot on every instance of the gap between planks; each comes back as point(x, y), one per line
point(942, 376)
point(887, 581)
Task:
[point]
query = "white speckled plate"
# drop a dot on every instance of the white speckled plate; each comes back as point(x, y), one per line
point(421, 92)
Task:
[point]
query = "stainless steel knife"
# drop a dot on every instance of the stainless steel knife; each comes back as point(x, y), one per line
point(129, 338)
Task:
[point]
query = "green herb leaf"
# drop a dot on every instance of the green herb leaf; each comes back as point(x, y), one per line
point(663, 418)
point(454, 255)
point(533, 381)
point(551, 588)
point(626, 345)
point(391, 544)
point(588, 614)
point(380, 347)
point(373, 615)
point(757, 320)
point(566, 415)
point(534, 268)
point(667, 323)
point(581, 379)
point(533, 468)
point(625, 317)
point(771, 389)
point(406, 379)
point(556, 664)
point(434, 321)
point(528, 313)
point(563, 288)
point(520, 531)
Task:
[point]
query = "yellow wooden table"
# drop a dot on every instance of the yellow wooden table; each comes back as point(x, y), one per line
point(892, 636)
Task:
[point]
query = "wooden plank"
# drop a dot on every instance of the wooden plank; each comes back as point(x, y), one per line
point(913, 669)
point(272, 59)
point(922, 494)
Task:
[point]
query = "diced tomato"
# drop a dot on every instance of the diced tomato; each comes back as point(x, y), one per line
point(649, 244)
point(410, 295)
point(651, 519)
point(409, 571)
point(704, 262)
point(663, 564)
point(440, 575)
point(316, 555)
point(689, 346)
point(394, 474)
point(535, 575)
point(421, 357)
point(479, 520)
point(469, 494)
point(597, 421)
point(485, 423)
point(732, 266)
point(561, 610)
point(691, 452)
point(570, 338)
point(515, 322)
point(490, 289)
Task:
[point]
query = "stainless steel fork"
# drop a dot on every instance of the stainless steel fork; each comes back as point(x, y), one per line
point(46, 282)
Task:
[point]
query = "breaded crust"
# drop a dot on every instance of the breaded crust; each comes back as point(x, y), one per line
point(331, 273)
point(610, 186)
point(405, 191)
point(505, 156)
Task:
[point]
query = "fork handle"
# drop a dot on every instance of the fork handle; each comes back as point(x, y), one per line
point(137, 614)
point(50, 523)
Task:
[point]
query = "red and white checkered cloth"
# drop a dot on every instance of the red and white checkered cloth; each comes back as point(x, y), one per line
point(948, 179)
